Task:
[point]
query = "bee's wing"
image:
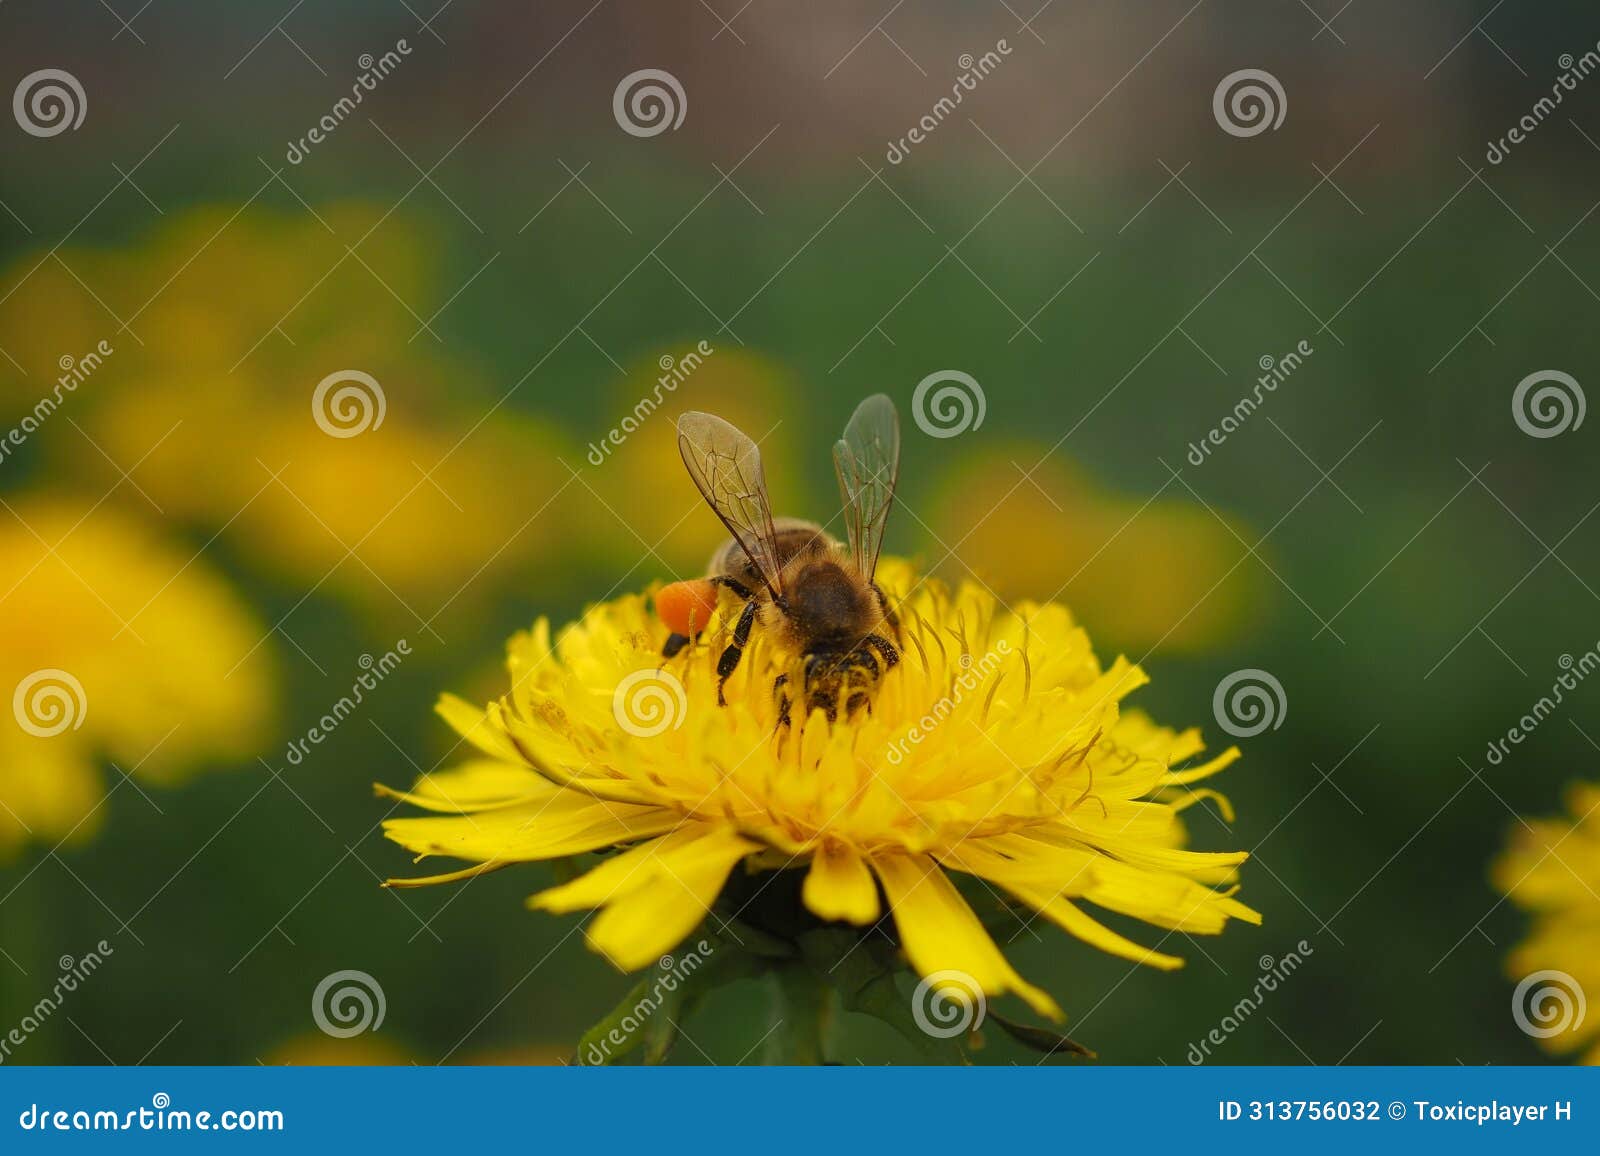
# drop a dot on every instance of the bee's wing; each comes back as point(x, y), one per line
point(726, 466)
point(867, 460)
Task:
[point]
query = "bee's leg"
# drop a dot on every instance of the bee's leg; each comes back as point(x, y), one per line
point(739, 588)
point(889, 615)
point(729, 662)
point(783, 699)
point(885, 648)
point(676, 642)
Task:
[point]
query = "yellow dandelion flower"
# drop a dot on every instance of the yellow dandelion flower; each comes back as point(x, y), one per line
point(1551, 868)
point(996, 752)
point(333, 484)
point(1146, 571)
point(114, 645)
point(641, 447)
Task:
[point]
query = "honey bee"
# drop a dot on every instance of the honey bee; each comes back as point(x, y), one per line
point(813, 596)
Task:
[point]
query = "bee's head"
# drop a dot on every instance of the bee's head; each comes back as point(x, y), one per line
point(836, 682)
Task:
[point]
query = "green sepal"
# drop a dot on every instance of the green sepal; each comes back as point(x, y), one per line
point(657, 1011)
point(596, 1047)
point(862, 970)
point(1041, 1039)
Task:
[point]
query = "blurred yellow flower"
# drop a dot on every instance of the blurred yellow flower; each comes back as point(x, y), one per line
point(1146, 575)
point(623, 463)
point(114, 646)
point(1551, 868)
point(317, 1050)
point(234, 321)
point(997, 750)
point(523, 1056)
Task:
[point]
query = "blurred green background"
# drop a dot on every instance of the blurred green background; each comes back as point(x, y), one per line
point(482, 237)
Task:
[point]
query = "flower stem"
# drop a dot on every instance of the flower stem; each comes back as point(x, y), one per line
point(801, 1013)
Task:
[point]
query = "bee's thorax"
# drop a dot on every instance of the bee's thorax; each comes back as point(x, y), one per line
point(827, 606)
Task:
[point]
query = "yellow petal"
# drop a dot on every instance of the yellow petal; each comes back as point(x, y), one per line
point(1204, 771)
point(839, 886)
point(448, 877)
point(472, 723)
point(1031, 880)
point(1191, 797)
point(653, 894)
point(1072, 919)
point(566, 824)
point(687, 848)
point(941, 933)
point(1037, 872)
point(637, 929)
point(476, 785)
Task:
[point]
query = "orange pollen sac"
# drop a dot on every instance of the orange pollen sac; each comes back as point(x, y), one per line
point(686, 607)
